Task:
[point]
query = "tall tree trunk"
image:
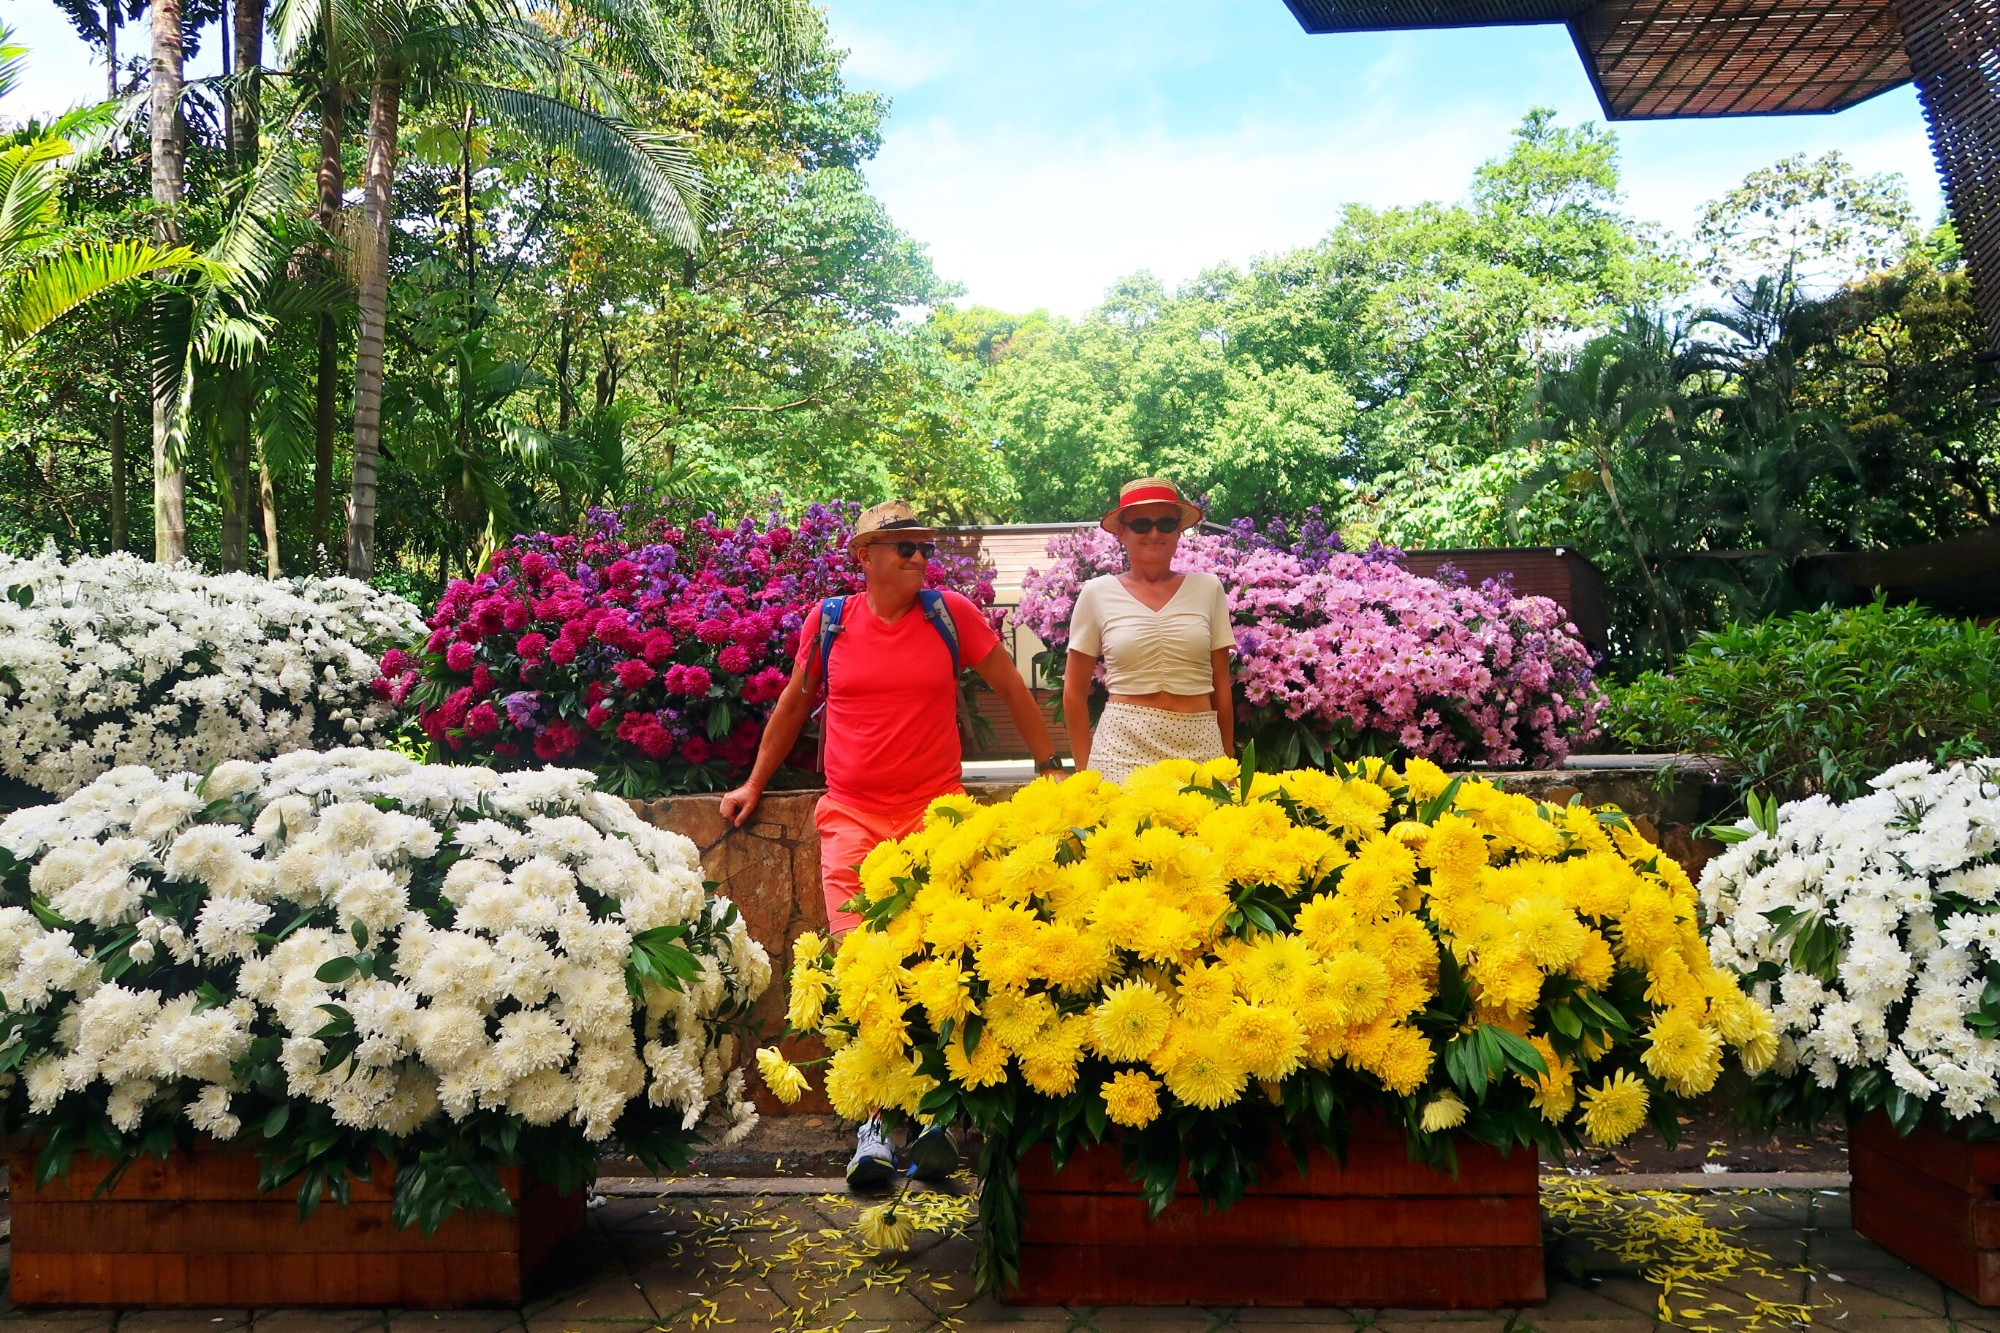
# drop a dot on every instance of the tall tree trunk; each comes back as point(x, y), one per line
point(378, 180)
point(267, 504)
point(118, 465)
point(326, 404)
point(169, 482)
point(247, 30)
point(117, 426)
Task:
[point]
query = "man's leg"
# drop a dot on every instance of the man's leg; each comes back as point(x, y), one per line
point(846, 836)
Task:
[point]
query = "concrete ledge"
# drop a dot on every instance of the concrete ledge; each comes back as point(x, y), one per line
point(736, 1187)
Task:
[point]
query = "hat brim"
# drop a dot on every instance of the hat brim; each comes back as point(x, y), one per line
point(861, 539)
point(1190, 514)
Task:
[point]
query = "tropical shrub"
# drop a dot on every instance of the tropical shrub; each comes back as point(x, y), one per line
point(1343, 655)
point(1817, 701)
point(112, 660)
point(1872, 929)
point(653, 660)
point(1211, 957)
point(330, 955)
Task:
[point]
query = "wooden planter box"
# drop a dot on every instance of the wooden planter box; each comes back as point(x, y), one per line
point(1381, 1231)
point(193, 1231)
point(1932, 1200)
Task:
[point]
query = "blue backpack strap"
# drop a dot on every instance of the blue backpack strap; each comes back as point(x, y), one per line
point(830, 614)
point(939, 615)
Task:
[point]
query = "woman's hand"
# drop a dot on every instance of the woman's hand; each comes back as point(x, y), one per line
point(1078, 669)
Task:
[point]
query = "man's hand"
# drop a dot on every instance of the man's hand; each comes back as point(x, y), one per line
point(740, 804)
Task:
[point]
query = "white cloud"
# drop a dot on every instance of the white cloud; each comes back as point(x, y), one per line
point(1024, 219)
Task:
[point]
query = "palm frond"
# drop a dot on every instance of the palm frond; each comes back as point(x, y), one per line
point(53, 285)
point(13, 59)
point(30, 182)
point(651, 173)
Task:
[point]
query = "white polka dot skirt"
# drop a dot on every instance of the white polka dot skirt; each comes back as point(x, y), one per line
point(1131, 736)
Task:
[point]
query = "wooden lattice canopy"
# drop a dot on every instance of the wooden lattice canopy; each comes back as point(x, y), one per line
point(1651, 59)
point(1656, 59)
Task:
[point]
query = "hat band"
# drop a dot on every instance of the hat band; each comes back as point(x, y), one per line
point(902, 523)
point(1150, 495)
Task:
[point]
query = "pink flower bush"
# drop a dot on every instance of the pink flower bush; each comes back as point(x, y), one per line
point(654, 661)
point(1347, 654)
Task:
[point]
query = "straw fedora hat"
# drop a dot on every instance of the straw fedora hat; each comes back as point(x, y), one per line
point(892, 520)
point(1147, 491)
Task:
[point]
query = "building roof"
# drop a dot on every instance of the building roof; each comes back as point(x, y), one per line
point(1653, 59)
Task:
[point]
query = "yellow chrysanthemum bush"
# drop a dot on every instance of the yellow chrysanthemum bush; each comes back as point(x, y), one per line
point(1210, 957)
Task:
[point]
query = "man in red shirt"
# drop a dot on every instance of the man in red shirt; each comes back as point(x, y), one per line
point(891, 728)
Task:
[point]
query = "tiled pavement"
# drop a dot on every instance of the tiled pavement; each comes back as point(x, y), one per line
point(787, 1261)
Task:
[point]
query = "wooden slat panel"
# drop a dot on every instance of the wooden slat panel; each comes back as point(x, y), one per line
point(1971, 1219)
point(1945, 1157)
point(141, 1247)
point(1446, 1278)
point(228, 1227)
point(1377, 1164)
point(1286, 1223)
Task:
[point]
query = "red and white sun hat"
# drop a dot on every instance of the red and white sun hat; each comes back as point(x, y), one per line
point(1146, 491)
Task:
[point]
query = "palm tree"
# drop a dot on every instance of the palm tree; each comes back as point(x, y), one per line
point(471, 54)
point(168, 150)
point(1617, 405)
point(41, 282)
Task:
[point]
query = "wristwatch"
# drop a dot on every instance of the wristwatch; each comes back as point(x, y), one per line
point(1049, 765)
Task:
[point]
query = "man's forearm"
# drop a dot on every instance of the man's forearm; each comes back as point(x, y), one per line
point(781, 733)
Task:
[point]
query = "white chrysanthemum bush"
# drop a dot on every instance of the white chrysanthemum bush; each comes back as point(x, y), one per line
point(1872, 929)
point(333, 956)
point(108, 661)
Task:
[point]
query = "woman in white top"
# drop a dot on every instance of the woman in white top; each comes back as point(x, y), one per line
point(1165, 640)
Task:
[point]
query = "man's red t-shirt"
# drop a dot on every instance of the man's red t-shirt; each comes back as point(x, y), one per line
point(892, 703)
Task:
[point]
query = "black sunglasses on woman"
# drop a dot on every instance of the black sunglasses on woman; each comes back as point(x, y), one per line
point(1163, 526)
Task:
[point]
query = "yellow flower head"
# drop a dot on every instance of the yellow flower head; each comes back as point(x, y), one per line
point(1614, 1109)
point(1131, 1021)
point(780, 1075)
point(808, 948)
point(1201, 1068)
point(983, 1066)
point(1547, 932)
point(1267, 1041)
point(886, 1228)
point(1049, 1062)
point(1443, 1112)
point(1682, 1052)
point(943, 988)
point(1358, 983)
point(1204, 991)
point(1132, 1098)
point(1327, 923)
point(811, 987)
point(1275, 969)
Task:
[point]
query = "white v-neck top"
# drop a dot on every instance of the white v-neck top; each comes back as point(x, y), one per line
point(1168, 651)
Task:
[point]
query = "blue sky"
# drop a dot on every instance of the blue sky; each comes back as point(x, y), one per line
point(1043, 148)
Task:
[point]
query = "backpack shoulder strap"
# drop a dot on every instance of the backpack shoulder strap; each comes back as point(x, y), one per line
point(939, 614)
point(831, 612)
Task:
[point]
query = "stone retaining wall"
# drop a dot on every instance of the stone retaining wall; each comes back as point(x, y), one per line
point(770, 867)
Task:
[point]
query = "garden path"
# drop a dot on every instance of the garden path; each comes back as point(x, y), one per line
point(708, 1254)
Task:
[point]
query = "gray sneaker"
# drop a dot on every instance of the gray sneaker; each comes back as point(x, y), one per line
point(933, 1155)
point(874, 1162)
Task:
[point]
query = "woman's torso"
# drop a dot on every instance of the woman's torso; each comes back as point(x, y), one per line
point(1158, 657)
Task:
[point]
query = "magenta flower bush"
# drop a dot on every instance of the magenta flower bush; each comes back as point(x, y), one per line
point(1340, 655)
point(652, 659)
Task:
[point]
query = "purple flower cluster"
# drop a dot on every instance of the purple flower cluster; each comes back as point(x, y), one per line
point(654, 660)
point(1362, 654)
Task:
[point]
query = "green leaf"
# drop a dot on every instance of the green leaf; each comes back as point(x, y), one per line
point(336, 970)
